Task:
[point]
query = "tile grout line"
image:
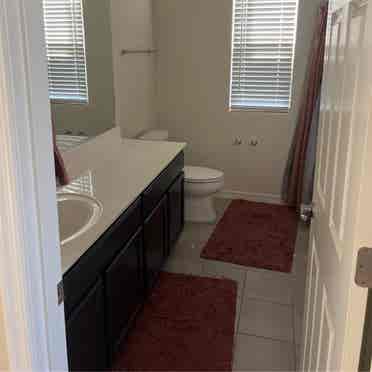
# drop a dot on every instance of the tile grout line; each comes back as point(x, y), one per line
point(241, 300)
point(294, 337)
point(238, 315)
point(265, 337)
point(269, 301)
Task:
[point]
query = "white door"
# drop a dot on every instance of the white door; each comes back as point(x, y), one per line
point(335, 306)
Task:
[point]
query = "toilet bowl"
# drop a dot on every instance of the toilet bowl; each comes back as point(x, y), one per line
point(201, 184)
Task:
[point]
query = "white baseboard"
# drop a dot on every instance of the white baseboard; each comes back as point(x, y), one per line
point(255, 197)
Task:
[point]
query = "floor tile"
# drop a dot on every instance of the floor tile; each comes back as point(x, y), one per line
point(216, 269)
point(299, 262)
point(302, 240)
point(299, 278)
point(298, 327)
point(265, 319)
point(185, 249)
point(261, 354)
point(182, 266)
point(299, 296)
point(298, 357)
point(221, 206)
point(269, 285)
point(197, 232)
point(237, 312)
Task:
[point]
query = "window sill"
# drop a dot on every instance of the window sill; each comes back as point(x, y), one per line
point(69, 102)
point(271, 110)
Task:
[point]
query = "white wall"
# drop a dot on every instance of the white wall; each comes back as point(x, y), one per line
point(3, 348)
point(193, 38)
point(134, 75)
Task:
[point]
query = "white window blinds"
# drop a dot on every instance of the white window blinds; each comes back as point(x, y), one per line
point(264, 36)
point(65, 42)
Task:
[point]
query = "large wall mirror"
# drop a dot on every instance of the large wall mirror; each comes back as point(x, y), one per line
point(80, 68)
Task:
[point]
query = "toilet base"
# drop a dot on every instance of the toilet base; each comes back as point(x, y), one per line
point(200, 209)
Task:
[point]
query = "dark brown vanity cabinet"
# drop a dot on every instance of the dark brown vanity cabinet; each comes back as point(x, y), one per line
point(155, 242)
point(124, 282)
point(176, 210)
point(107, 286)
point(86, 333)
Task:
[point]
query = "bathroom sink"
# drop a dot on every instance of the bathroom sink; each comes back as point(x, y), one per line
point(77, 214)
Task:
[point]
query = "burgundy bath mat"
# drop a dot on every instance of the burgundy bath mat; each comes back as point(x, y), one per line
point(255, 234)
point(186, 325)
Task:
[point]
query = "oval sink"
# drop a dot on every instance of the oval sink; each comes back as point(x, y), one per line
point(77, 214)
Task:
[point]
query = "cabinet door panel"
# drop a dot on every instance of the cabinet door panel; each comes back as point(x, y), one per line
point(85, 333)
point(124, 290)
point(161, 184)
point(156, 242)
point(176, 210)
point(81, 276)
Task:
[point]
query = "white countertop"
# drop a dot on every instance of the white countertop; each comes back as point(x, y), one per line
point(115, 172)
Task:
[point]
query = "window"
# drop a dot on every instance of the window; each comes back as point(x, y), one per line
point(65, 42)
point(264, 36)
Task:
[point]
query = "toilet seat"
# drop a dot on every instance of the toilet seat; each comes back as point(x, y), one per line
point(202, 175)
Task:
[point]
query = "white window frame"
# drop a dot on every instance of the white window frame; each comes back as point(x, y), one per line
point(263, 108)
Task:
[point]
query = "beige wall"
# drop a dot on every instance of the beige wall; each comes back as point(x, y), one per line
point(3, 347)
point(193, 38)
point(134, 75)
point(97, 116)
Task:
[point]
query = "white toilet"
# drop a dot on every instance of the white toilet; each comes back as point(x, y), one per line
point(200, 185)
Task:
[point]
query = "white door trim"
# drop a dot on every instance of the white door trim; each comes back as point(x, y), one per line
point(30, 264)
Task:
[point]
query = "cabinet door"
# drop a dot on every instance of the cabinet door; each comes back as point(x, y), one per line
point(176, 210)
point(156, 241)
point(124, 290)
point(85, 333)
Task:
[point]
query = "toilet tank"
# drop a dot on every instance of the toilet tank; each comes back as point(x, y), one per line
point(155, 135)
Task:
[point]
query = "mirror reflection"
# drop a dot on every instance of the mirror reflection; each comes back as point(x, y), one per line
point(80, 68)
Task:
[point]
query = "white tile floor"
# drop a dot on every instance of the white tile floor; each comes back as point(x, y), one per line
point(269, 304)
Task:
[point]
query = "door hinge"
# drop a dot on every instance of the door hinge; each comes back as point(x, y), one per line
point(363, 275)
point(60, 293)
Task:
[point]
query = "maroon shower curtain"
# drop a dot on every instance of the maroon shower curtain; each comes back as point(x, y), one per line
point(295, 174)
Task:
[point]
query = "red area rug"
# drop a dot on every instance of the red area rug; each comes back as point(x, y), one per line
point(187, 325)
point(255, 234)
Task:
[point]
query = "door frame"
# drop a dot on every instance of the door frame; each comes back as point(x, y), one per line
point(30, 264)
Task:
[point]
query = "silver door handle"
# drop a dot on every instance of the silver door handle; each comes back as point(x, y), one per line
point(307, 212)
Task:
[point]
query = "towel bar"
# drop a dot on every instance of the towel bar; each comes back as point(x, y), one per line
point(137, 51)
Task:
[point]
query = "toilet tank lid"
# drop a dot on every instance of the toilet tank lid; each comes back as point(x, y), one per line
point(202, 174)
point(155, 135)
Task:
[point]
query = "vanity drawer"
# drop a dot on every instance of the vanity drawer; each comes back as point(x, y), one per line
point(79, 279)
point(159, 187)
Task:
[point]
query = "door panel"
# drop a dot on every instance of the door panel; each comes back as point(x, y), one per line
point(320, 328)
point(313, 285)
point(332, 336)
point(326, 336)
